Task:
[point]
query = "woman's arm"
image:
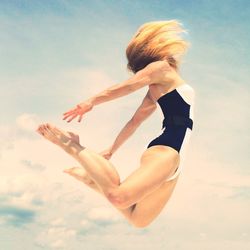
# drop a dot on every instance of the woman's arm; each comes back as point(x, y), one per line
point(147, 107)
point(148, 75)
point(152, 73)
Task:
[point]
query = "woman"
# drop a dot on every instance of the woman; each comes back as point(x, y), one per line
point(154, 57)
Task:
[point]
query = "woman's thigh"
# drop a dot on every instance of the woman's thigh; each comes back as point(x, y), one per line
point(157, 164)
point(148, 208)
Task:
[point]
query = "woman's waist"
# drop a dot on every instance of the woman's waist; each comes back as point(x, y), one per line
point(177, 120)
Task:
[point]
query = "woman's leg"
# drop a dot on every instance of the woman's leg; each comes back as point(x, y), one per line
point(99, 169)
point(80, 174)
point(146, 210)
point(154, 169)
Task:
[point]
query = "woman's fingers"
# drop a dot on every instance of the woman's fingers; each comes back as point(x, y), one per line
point(70, 114)
point(80, 118)
point(71, 111)
point(68, 111)
point(74, 116)
point(66, 117)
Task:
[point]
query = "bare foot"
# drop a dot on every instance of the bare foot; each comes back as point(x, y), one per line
point(64, 139)
point(80, 174)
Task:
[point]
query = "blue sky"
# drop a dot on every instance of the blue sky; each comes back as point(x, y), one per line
point(55, 54)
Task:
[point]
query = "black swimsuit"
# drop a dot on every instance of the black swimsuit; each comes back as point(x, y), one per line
point(177, 118)
point(177, 108)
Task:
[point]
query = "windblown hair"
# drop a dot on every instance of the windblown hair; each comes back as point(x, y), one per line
point(154, 41)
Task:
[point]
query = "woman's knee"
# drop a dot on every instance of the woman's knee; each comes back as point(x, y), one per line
point(139, 222)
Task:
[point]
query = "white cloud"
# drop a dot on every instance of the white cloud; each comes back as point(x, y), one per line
point(105, 214)
point(208, 208)
point(57, 244)
point(22, 191)
point(85, 224)
point(58, 222)
point(56, 237)
point(28, 122)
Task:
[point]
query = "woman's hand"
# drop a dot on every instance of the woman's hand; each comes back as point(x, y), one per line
point(80, 110)
point(106, 153)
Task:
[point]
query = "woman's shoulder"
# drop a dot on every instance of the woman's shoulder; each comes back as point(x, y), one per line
point(159, 65)
point(160, 72)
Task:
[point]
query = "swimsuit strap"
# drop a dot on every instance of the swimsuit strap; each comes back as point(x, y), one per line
point(178, 121)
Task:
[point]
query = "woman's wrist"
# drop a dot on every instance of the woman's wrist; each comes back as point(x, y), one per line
point(90, 102)
point(112, 150)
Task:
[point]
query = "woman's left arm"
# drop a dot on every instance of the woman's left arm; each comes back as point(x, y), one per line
point(147, 107)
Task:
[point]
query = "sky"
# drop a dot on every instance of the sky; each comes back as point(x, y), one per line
point(55, 54)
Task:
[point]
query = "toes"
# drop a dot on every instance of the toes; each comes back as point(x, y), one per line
point(79, 173)
point(69, 170)
point(54, 129)
point(40, 130)
point(50, 128)
point(57, 131)
point(76, 171)
point(46, 127)
point(73, 170)
point(45, 131)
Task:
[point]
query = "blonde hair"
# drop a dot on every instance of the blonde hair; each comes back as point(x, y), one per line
point(154, 41)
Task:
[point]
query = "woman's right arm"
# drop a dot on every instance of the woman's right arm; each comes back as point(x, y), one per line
point(151, 74)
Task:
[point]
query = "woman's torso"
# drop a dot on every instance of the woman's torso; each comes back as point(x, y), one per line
point(173, 94)
point(175, 97)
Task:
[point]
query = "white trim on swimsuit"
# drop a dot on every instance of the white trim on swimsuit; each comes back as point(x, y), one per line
point(188, 95)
